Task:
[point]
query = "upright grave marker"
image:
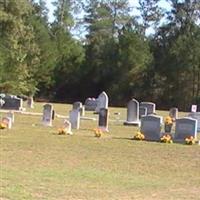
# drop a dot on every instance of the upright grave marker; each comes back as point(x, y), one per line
point(151, 127)
point(102, 102)
point(30, 102)
point(79, 106)
point(103, 119)
point(7, 121)
point(90, 104)
point(194, 108)
point(196, 116)
point(173, 113)
point(132, 113)
point(142, 112)
point(67, 127)
point(11, 115)
point(47, 114)
point(74, 118)
point(185, 127)
point(151, 107)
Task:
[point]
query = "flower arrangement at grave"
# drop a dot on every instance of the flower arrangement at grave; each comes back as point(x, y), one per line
point(168, 124)
point(98, 132)
point(3, 125)
point(62, 131)
point(166, 138)
point(139, 136)
point(190, 140)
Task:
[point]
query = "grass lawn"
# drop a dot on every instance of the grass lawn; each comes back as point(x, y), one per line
point(36, 163)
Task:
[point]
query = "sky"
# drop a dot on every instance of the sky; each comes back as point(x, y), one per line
point(133, 3)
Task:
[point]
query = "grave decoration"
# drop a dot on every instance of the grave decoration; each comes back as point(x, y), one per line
point(139, 136)
point(166, 138)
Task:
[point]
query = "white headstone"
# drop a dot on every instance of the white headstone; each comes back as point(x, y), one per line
point(151, 107)
point(185, 127)
point(74, 118)
point(142, 111)
point(103, 119)
point(30, 102)
point(194, 108)
point(151, 127)
point(7, 121)
point(132, 113)
point(67, 127)
point(102, 102)
point(47, 114)
point(11, 115)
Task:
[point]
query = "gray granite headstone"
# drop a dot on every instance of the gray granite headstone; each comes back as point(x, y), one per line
point(142, 111)
point(132, 113)
point(103, 119)
point(151, 107)
point(185, 127)
point(79, 106)
point(151, 127)
point(102, 101)
point(74, 118)
point(90, 104)
point(47, 114)
point(196, 116)
point(173, 113)
point(12, 102)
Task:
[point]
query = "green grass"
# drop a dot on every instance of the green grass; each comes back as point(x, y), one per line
point(36, 163)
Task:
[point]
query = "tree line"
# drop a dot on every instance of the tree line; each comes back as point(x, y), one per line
point(117, 53)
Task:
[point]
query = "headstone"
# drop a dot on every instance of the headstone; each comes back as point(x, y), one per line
point(194, 108)
point(90, 104)
point(11, 115)
point(67, 127)
point(102, 102)
point(185, 127)
point(12, 103)
point(103, 119)
point(132, 113)
point(74, 118)
point(173, 113)
point(151, 107)
point(7, 121)
point(142, 111)
point(1, 102)
point(79, 106)
point(30, 102)
point(47, 114)
point(151, 127)
point(196, 115)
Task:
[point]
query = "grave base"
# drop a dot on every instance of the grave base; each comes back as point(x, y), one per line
point(136, 123)
point(104, 129)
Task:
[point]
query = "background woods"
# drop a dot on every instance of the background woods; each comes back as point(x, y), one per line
point(117, 53)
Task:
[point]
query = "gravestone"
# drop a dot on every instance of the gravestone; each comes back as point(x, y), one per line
point(12, 102)
point(74, 118)
point(102, 102)
point(142, 111)
point(151, 107)
point(47, 114)
point(196, 116)
point(11, 115)
point(132, 113)
point(7, 121)
point(194, 108)
point(30, 102)
point(79, 106)
point(103, 119)
point(185, 127)
point(173, 113)
point(90, 104)
point(151, 127)
point(1, 102)
point(67, 127)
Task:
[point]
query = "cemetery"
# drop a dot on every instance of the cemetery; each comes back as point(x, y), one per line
point(51, 150)
point(99, 99)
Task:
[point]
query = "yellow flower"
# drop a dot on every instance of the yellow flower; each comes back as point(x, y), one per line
point(3, 125)
point(190, 140)
point(139, 136)
point(166, 138)
point(168, 120)
point(97, 132)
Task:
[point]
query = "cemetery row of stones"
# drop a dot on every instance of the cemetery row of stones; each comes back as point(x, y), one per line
point(138, 114)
